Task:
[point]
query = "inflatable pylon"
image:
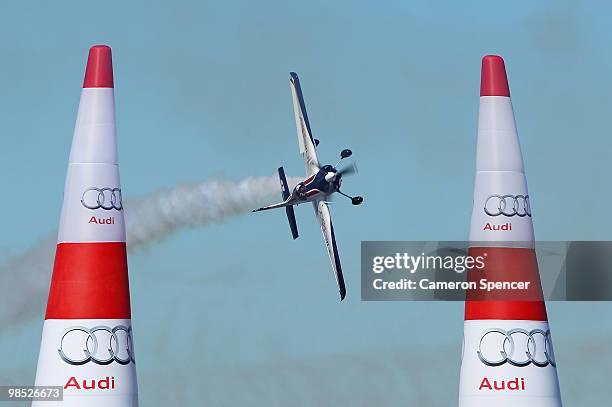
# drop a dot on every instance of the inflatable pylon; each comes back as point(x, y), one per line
point(508, 359)
point(87, 345)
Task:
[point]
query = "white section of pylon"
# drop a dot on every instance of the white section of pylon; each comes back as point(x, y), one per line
point(94, 139)
point(93, 205)
point(498, 146)
point(533, 385)
point(85, 355)
point(501, 210)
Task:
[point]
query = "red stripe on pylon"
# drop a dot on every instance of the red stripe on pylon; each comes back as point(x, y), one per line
point(90, 281)
point(506, 264)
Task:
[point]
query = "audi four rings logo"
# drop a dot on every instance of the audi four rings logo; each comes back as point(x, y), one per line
point(101, 345)
point(105, 198)
point(518, 346)
point(508, 205)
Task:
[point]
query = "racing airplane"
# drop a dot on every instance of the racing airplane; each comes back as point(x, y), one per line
point(320, 184)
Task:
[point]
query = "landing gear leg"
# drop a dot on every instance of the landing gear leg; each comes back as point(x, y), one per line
point(355, 200)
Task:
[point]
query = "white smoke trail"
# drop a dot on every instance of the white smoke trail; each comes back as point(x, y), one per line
point(24, 280)
point(156, 216)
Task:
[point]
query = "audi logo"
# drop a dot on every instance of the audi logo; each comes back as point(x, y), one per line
point(518, 346)
point(101, 345)
point(104, 198)
point(508, 205)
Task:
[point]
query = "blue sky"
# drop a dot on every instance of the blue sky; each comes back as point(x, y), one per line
point(202, 90)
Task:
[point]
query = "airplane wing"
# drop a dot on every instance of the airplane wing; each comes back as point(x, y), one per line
point(305, 138)
point(288, 202)
point(324, 217)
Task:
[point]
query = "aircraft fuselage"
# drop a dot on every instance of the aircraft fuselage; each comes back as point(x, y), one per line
point(318, 185)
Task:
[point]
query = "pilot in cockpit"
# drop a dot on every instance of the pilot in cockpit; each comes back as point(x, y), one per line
point(300, 190)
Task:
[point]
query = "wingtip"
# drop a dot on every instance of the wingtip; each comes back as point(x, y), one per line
point(342, 288)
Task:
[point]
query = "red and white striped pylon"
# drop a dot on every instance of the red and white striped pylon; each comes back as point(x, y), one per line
point(87, 345)
point(507, 358)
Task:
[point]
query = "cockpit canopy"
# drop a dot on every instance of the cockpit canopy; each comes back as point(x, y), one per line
point(299, 189)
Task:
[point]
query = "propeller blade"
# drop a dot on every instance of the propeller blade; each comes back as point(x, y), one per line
point(348, 170)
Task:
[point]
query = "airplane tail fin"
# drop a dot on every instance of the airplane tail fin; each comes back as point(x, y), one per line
point(288, 209)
